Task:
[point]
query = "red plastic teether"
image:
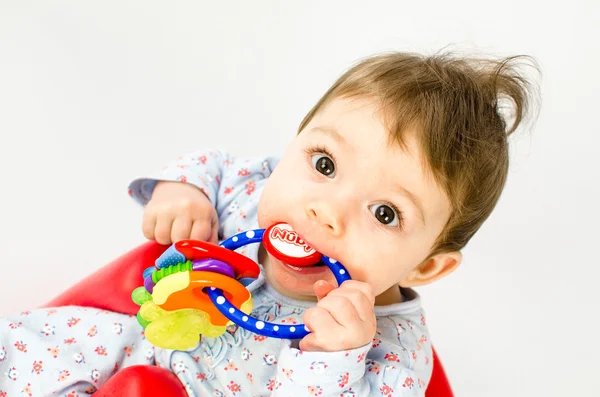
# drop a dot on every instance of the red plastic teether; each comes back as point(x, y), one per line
point(281, 241)
point(243, 266)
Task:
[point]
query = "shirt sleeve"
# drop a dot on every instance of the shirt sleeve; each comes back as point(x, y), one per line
point(396, 364)
point(202, 168)
point(240, 190)
point(232, 184)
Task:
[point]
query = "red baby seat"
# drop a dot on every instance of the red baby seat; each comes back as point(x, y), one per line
point(110, 288)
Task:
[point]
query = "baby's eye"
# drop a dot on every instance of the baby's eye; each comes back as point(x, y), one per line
point(323, 164)
point(384, 214)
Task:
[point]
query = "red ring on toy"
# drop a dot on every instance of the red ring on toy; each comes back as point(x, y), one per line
point(281, 241)
point(242, 266)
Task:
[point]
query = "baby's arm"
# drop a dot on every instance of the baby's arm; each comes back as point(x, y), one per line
point(347, 373)
point(397, 363)
point(181, 200)
point(202, 169)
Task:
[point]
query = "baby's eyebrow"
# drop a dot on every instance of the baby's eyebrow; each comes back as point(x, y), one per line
point(332, 132)
point(414, 199)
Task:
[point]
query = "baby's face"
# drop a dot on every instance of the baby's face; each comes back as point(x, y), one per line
point(355, 196)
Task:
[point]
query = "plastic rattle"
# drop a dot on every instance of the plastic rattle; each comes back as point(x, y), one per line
point(195, 287)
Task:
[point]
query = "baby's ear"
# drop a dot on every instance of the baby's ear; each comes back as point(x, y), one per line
point(433, 268)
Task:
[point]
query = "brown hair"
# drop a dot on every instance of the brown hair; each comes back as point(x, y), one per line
point(455, 104)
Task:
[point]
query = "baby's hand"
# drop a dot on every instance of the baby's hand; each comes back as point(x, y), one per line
point(343, 319)
point(179, 211)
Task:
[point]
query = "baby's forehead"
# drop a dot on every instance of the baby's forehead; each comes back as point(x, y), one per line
point(363, 125)
point(357, 110)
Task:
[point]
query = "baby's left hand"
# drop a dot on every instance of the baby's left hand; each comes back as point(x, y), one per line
point(343, 319)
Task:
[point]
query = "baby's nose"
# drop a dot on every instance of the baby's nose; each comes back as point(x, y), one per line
point(328, 217)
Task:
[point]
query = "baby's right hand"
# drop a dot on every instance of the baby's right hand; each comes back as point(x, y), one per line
point(179, 211)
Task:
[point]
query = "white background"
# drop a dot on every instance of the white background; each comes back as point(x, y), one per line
point(93, 94)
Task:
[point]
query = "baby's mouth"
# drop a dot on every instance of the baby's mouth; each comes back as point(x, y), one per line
point(319, 270)
point(319, 263)
point(298, 268)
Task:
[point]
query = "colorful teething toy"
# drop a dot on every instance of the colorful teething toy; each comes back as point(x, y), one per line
point(195, 287)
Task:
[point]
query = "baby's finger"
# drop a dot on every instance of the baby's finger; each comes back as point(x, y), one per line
point(318, 319)
point(322, 288)
point(162, 230)
point(361, 303)
point(341, 309)
point(181, 229)
point(214, 236)
point(322, 326)
point(201, 230)
point(310, 343)
point(149, 224)
point(365, 288)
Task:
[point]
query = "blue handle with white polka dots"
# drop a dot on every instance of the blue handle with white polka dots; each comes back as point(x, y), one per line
point(250, 323)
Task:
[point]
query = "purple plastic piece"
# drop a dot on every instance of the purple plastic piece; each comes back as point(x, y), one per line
point(213, 265)
point(148, 271)
point(149, 284)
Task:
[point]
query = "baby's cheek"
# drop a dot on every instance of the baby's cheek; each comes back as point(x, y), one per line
point(268, 212)
point(380, 273)
point(278, 199)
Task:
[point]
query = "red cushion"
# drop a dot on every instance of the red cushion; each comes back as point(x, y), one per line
point(110, 288)
point(142, 380)
point(439, 386)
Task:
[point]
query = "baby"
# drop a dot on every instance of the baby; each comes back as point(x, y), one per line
point(391, 173)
